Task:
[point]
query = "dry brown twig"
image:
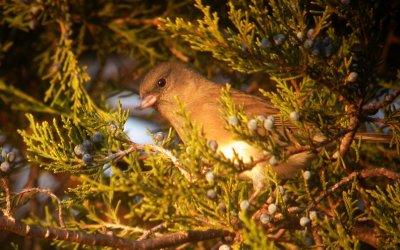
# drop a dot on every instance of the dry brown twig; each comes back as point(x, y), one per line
point(49, 193)
point(367, 173)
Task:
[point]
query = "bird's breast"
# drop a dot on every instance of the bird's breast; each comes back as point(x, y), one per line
point(243, 150)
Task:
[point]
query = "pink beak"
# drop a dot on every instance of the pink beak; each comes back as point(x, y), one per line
point(147, 101)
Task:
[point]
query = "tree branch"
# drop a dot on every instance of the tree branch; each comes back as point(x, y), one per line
point(23, 229)
point(372, 108)
point(367, 173)
point(348, 137)
point(169, 240)
point(153, 148)
point(168, 154)
point(366, 234)
point(7, 210)
point(149, 232)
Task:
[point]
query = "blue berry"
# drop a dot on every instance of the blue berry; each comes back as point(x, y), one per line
point(108, 172)
point(210, 177)
point(245, 48)
point(269, 123)
point(78, 150)
point(224, 247)
point(244, 205)
point(5, 166)
point(87, 146)
point(304, 221)
point(222, 207)
point(272, 208)
point(11, 157)
point(306, 175)
point(328, 50)
point(159, 136)
point(308, 43)
point(294, 116)
point(211, 194)
point(265, 43)
point(313, 215)
point(252, 125)
point(136, 199)
point(4, 152)
point(112, 127)
point(265, 219)
point(273, 161)
point(300, 35)
point(233, 120)
point(87, 158)
point(213, 145)
point(98, 137)
point(279, 39)
point(352, 77)
point(310, 33)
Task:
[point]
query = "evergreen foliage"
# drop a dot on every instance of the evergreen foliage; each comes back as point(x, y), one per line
point(331, 78)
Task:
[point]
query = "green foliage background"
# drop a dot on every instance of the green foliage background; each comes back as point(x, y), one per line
point(49, 105)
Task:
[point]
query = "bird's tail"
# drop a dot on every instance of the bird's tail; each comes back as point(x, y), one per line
point(374, 137)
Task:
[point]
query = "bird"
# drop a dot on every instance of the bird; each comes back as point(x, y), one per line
point(169, 81)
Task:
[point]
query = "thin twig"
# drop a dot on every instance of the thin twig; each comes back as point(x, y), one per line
point(367, 173)
point(120, 154)
point(149, 232)
point(49, 193)
point(373, 107)
point(7, 210)
point(300, 149)
point(348, 138)
point(154, 148)
point(153, 22)
point(112, 226)
point(317, 237)
point(277, 235)
point(366, 234)
point(179, 55)
point(168, 154)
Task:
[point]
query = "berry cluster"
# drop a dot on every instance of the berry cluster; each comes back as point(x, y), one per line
point(277, 40)
point(268, 123)
point(6, 159)
point(86, 149)
point(267, 216)
point(159, 137)
point(317, 46)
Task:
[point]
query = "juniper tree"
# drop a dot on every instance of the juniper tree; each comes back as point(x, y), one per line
point(327, 66)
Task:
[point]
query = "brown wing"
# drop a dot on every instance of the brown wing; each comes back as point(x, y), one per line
point(253, 105)
point(206, 111)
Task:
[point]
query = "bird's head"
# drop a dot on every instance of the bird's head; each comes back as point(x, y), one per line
point(163, 83)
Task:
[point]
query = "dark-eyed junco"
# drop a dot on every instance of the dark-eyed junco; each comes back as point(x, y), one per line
point(164, 84)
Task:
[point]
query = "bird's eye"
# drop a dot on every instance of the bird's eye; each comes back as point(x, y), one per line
point(161, 82)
